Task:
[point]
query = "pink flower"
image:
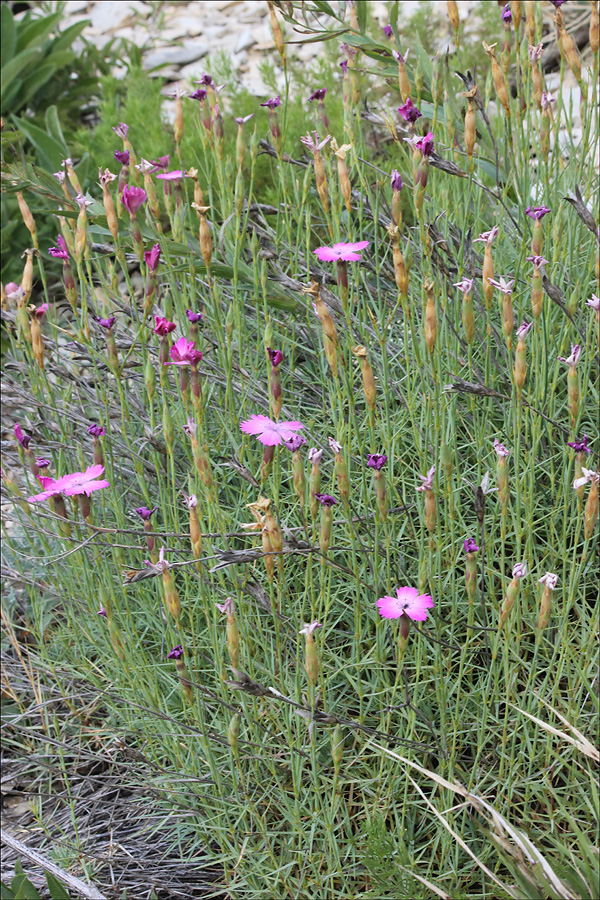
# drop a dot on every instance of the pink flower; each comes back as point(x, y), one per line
point(573, 359)
point(594, 303)
point(23, 439)
point(500, 449)
point(314, 456)
point(60, 251)
point(313, 143)
point(520, 570)
point(535, 53)
point(345, 252)
point(227, 608)
point(121, 130)
point(538, 261)
point(588, 475)
point(270, 433)
point(487, 236)
point(502, 285)
point(183, 353)
point(152, 257)
point(76, 483)
point(132, 198)
point(295, 442)
point(427, 481)
point(546, 100)
point(424, 144)
point(523, 329)
point(40, 311)
point(409, 111)
point(549, 580)
point(175, 175)
point(407, 602)
point(310, 627)
point(191, 502)
point(466, 285)
point(336, 447)
point(162, 326)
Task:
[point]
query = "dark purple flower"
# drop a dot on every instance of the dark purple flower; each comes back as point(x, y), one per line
point(273, 103)
point(102, 612)
point(276, 357)
point(294, 442)
point(42, 463)
point(387, 30)
point(152, 257)
point(206, 80)
point(319, 94)
point(23, 439)
point(106, 323)
point(122, 156)
point(144, 513)
point(376, 461)
point(161, 163)
point(409, 111)
point(557, 3)
point(344, 66)
point(60, 251)
point(96, 431)
point(193, 316)
point(201, 95)
point(536, 212)
point(176, 652)
point(470, 546)
point(580, 445)
point(506, 13)
point(425, 144)
point(396, 180)
point(326, 499)
point(132, 198)
point(162, 326)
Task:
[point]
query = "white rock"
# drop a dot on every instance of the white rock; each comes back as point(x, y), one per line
point(189, 52)
point(75, 6)
point(245, 40)
point(185, 25)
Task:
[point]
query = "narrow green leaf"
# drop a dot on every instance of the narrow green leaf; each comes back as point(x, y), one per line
point(50, 151)
point(67, 37)
point(323, 36)
point(61, 59)
point(361, 14)
point(9, 35)
point(394, 15)
point(35, 32)
point(54, 128)
point(16, 66)
point(57, 890)
point(34, 82)
point(7, 892)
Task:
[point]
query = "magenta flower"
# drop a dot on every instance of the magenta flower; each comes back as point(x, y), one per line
point(183, 353)
point(152, 257)
point(295, 442)
point(106, 323)
point(424, 144)
point(573, 359)
point(487, 236)
point(396, 180)
point(310, 627)
point(193, 316)
point(273, 103)
point(270, 433)
point(387, 30)
point(344, 66)
point(376, 461)
point(315, 456)
point(470, 546)
point(523, 329)
point(176, 652)
point(175, 175)
point(549, 580)
point(144, 513)
point(161, 163)
point(60, 251)
point(121, 130)
point(319, 94)
point(102, 612)
point(162, 326)
point(580, 445)
point(96, 431)
point(594, 303)
point(69, 485)
point(40, 311)
point(227, 608)
point(23, 439)
point(407, 602)
point(410, 113)
point(427, 480)
point(538, 261)
point(276, 357)
point(42, 463)
point(132, 198)
point(122, 156)
point(500, 449)
point(537, 212)
point(344, 252)
point(326, 500)
point(207, 80)
point(466, 285)
point(506, 13)
point(502, 285)
point(520, 570)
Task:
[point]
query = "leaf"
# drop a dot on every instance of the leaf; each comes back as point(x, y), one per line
point(67, 37)
point(394, 15)
point(37, 30)
point(57, 890)
point(21, 886)
point(7, 893)
point(322, 6)
point(16, 66)
point(53, 127)
point(9, 35)
point(323, 36)
point(36, 80)
point(49, 150)
point(361, 15)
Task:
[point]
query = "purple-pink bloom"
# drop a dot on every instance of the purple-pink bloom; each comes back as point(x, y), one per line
point(315, 456)
point(161, 163)
point(276, 357)
point(162, 326)
point(206, 79)
point(594, 303)
point(122, 156)
point(132, 198)
point(152, 257)
point(319, 94)
point(470, 546)
point(580, 445)
point(500, 449)
point(326, 499)
point(546, 100)
point(102, 612)
point(200, 94)
point(410, 113)
point(538, 261)
point(557, 3)
point(175, 175)
point(226, 608)
point(60, 251)
point(487, 236)
point(523, 329)
point(502, 285)
point(376, 461)
point(42, 463)
point(95, 430)
point(387, 30)
point(241, 120)
point(506, 13)
point(466, 285)
point(273, 103)
point(427, 480)
point(121, 130)
point(294, 443)
point(535, 53)
point(183, 353)
point(407, 602)
point(344, 66)
point(144, 513)
point(270, 433)
point(193, 316)
point(396, 180)
point(537, 212)
point(23, 439)
point(176, 652)
point(549, 580)
point(573, 359)
point(69, 485)
point(40, 311)
point(345, 252)
point(106, 323)
point(424, 144)
point(335, 445)
point(313, 143)
point(520, 570)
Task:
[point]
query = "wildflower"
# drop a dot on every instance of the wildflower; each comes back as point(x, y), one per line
point(60, 251)
point(427, 480)
point(132, 198)
point(121, 130)
point(407, 602)
point(396, 180)
point(70, 485)
point(273, 103)
point(194, 317)
point(535, 53)
point(232, 632)
point(326, 500)
point(270, 433)
point(430, 502)
point(152, 257)
point(403, 82)
point(501, 450)
point(122, 156)
point(470, 546)
point(183, 353)
point(487, 236)
point(573, 359)
point(106, 323)
point(96, 431)
point(410, 113)
point(176, 652)
point(162, 326)
point(311, 657)
point(580, 445)
point(537, 212)
point(294, 442)
point(549, 580)
point(506, 14)
point(319, 94)
point(42, 462)
point(424, 144)
point(343, 252)
point(144, 513)
point(466, 285)
point(502, 285)
point(586, 476)
point(519, 571)
point(175, 175)
point(40, 311)
point(387, 30)
point(161, 163)
point(102, 612)
point(315, 456)
point(594, 303)
point(23, 439)
point(376, 461)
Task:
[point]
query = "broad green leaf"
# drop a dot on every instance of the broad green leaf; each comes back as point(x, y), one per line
point(57, 890)
point(16, 66)
point(36, 80)
point(54, 128)
point(361, 14)
point(67, 37)
point(37, 30)
point(394, 15)
point(322, 6)
point(60, 59)
point(50, 151)
point(7, 893)
point(9, 35)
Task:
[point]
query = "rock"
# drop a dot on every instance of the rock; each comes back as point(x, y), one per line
point(245, 40)
point(185, 26)
point(75, 6)
point(188, 53)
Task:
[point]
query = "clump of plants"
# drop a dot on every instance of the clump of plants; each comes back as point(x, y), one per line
point(316, 479)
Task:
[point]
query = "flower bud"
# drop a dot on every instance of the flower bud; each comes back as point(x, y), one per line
point(591, 510)
point(233, 732)
point(27, 218)
point(498, 77)
point(311, 656)
point(37, 341)
point(368, 379)
point(337, 748)
point(430, 326)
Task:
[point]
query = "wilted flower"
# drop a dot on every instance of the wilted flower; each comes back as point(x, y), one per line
point(122, 156)
point(407, 602)
point(161, 163)
point(176, 652)
point(573, 359)
point(273, 103)
point(487, 236)
point(326, 499)
point(344, 252)
point(315, 456)
point(550, 580)
point(500, 449)
point(376, 461)
point(42, 463)
point(594, 303)
point(470, 546)
point(270, 433)
point(313, 143)
point(40, 311)
point(466, 285)
point(162, 326)
point(227, 607)
point(523, 329)
point(199, 94)
point(547, 99)
point(294, 442)
point(335, 445)
point(427, 480)
point(424, 144)
point(102, 612)
point(106, 323)
point(502, 285)
point(399, 58)
point(183, 353)
point(23, 439)
point(95, 430)
point(586, 476)
point(537, 212)
point(121, 130)
point(309, 628)
point(538, 261)
point(69, 485)
point(519, 570)
point(60, 251)
point(152, 257)
point(535, 53)
point(275, 356)
point(410, 113)
point(193, 316)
